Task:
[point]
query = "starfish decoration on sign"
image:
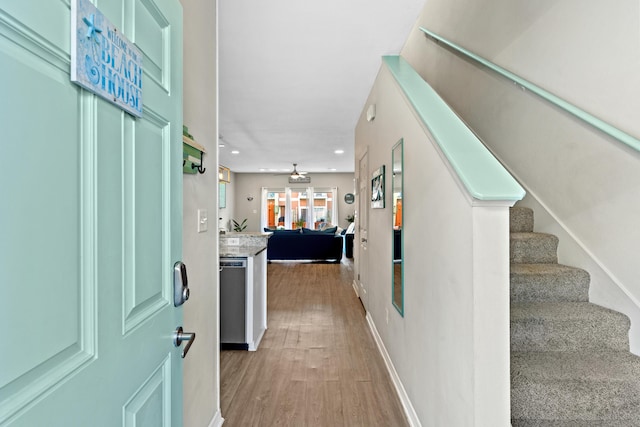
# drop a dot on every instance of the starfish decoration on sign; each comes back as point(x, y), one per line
point(91, 32)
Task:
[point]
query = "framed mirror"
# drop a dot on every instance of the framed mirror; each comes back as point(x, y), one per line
point(397, 184)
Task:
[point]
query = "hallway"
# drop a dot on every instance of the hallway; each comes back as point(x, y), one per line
point(317, 365)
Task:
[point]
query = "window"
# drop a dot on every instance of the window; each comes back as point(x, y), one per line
point(276, 201)
point(293, 208)
point(322, 209)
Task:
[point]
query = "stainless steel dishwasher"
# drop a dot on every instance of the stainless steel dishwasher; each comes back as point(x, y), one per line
point(233, 296)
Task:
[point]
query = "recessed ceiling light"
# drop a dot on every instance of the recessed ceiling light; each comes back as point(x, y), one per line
point(221, 145)
point(235, 152)
point(263, 170)
point(339, 151)
point(333, 169)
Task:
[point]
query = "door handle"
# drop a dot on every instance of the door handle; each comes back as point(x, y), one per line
point(363, 240)
point(181, 336)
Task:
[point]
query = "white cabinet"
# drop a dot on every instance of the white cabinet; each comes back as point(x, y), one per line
point(256, 299)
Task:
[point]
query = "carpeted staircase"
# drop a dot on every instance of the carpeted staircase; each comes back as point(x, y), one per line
point(570, 360)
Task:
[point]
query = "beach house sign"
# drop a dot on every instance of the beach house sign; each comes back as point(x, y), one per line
point(103, 60)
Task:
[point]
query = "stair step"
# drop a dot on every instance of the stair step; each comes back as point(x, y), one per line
point(551, 423)
point(567, 326)
point(533, 248)
point(585, 388)
point(548, 282)
point(520, 219)
point(570, 364)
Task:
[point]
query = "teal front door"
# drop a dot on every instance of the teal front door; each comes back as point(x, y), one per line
point(90, 225)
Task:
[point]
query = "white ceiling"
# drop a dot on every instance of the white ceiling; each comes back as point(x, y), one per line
point(294, 77)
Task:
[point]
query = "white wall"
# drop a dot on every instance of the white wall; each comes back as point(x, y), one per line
point(451, 348)
point(250, 185)
point(200, 250)
point(587, 53)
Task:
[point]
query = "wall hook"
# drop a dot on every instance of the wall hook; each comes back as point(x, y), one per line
point(199, 167)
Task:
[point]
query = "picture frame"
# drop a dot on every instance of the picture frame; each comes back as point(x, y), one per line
point(377, 188)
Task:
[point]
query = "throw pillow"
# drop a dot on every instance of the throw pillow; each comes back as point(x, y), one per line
point(309, 231)
point(351, 229)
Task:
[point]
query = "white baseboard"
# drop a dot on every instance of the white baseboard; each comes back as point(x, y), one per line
point(412, 417)
point(355, 287)
point(254, 346)
point(217, 420)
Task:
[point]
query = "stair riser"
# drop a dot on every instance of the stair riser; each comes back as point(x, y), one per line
point(543, 290)
point(575, 335)
point(534, 249)
point(576, 401)
point(521, 220)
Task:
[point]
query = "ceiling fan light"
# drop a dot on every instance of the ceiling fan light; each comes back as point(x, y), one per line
point(294, 173)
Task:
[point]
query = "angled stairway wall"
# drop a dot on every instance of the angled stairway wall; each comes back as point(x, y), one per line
point(584, 181)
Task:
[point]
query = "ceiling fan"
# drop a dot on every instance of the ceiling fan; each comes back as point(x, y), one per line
point(295, 174)
point(296, 177)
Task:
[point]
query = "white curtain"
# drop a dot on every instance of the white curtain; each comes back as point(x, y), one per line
point(287, 208)
point(309, 217)
point(335, 219)
point(263, 209)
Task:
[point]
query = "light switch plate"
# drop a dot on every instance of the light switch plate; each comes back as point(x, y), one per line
point(203, 220)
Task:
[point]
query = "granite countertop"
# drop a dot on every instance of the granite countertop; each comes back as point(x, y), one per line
point(227, 251)
point(246, 234)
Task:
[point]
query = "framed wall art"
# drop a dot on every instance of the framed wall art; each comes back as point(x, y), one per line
point(377, 188)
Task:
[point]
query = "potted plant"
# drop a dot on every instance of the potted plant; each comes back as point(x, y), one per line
point(239, 227)
point(300, 223)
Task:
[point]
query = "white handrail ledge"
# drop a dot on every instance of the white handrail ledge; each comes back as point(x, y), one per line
point(481, 174)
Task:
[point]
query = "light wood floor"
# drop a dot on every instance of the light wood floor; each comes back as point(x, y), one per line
point(317, 365)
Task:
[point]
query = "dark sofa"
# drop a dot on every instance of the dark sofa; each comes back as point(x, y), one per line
point(308, 245)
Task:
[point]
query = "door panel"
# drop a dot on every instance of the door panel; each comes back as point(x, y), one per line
point(91, 227)
point(154, 41)
point(36, 214)
point(147, 406)
point(146, 287)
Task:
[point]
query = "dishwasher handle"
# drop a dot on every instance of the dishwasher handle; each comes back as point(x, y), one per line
point(236, 263)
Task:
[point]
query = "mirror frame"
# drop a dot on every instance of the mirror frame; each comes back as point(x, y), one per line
point(397, 155)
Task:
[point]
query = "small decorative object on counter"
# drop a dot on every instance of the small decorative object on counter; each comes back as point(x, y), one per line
point(239, 227)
